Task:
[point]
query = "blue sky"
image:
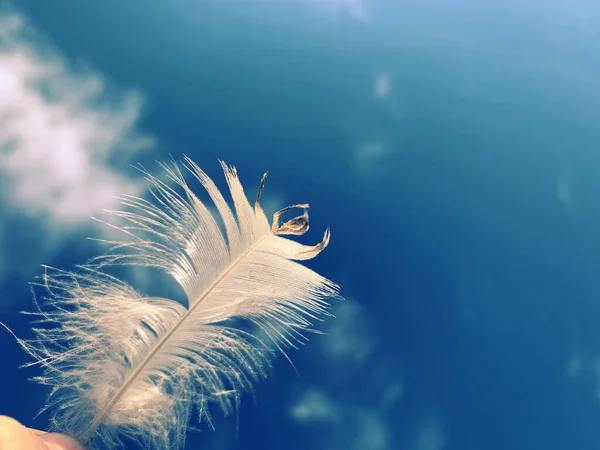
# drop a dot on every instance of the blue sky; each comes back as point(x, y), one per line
point(452, 148)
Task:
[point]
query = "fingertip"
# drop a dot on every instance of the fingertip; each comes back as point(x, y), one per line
point(14, 436)
point(55, 441)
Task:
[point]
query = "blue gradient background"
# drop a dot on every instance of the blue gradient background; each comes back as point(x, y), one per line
point(468, 247)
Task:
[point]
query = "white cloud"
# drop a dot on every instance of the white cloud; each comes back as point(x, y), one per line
point(575, 366)
point(359, 388)
point(353, 8)
point(370, 154)
point(315, 405)
point(430, 437)
point(372, 431)
point(564, 190)
point(388, 96)
point(581, 367)
point(59, 131)
point(63, 132)
point(392, 394)
point(382, 86)
point(343, 393)
point(349, 339)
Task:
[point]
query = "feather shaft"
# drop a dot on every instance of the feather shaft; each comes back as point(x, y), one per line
point(88, 435)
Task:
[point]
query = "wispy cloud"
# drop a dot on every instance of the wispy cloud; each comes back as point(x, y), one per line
point(59, 130)
point(382, 86)
point(314, 405)
point(564, 190)
point(356, 9)
point(388, 95)
point(350, 339)
point(575, 366)
point(371, 154)
point(430, 437)
point(345, 398)
point(371, 431)
point(580, 368)
point(375, 148)
point(63, 132)
point(359, 388)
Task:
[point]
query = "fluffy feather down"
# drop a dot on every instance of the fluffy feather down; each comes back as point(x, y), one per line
point(122, 365)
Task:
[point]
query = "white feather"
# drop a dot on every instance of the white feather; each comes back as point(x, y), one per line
point(122, 365)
